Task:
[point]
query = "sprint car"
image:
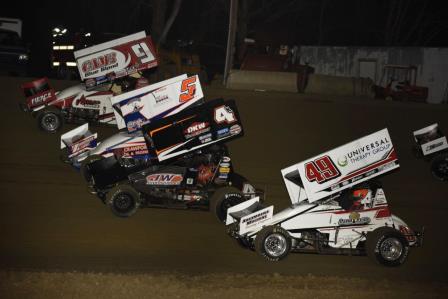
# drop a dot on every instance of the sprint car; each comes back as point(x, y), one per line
point(336, 208)
point(431, 144)
point(106, 70)
point(132, 110)
point(202, 180)
point(187, 147)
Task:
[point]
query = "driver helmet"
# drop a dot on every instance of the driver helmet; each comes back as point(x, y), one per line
point(361, 196)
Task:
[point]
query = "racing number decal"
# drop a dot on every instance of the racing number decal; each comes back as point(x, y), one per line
point(187, 89)
point(321, 170)
point(142, 51)
point(224, 114)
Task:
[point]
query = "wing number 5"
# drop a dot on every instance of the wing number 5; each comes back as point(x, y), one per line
point(187, 89)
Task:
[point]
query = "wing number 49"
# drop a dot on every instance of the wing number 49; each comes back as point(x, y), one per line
point(321, 170)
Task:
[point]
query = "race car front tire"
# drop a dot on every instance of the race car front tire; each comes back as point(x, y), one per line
point(273, 243)
point(439, 167)
point(387, 246)
point(123, 200)
point(224, 198)
point(49, 120)
point(84, 169)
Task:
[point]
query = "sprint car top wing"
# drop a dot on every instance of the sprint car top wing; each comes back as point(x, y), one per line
point(341, 168)
point(138, 107)
point(116, 58)
point(216, 121)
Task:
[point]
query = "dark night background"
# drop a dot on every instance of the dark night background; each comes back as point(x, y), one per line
point(293, 22)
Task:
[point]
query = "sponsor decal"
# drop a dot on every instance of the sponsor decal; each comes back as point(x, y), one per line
point(354, 218)
point(224, 169)
point(132, 106)
point(135, 150)
point(166, 179)
point(161, 98)
point(256, 218)
point(90, 82)
point(83, 101)
point(232, 195)
point(342, 161)
point(235, 130)
point(102, 62)
point(223, 133)
point(102, 79)
point(248, 189)
point(82, 145)
point(433, 146)
point(205, 138)
point(224, 114)
point(135, 124)
point(368, 150)
point(226, 159)
point(41, 99)
point(196, 129)
point(121, 73)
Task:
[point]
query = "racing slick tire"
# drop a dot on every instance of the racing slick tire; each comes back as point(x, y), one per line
point(84, 169)
point(123, 200)
point(387, 246)
point(439, 167)
point(49, 120)
point(273, 243)
point(224, 198)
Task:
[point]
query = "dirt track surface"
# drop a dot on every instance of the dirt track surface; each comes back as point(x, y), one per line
point(49, 221)
point(257, 286)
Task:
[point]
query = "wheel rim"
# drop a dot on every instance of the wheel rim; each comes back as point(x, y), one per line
point(275, 245)
point(391, 249)
point(123, 202)
point(50, 122)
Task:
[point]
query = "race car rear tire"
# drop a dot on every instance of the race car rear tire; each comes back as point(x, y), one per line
point(224, 198)
point(123, 200)
point(273, 243)
point(49, 120)
point(84, 169)
point(439, 167)
point(387, 246)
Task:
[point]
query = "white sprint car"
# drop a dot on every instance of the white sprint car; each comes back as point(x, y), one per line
point(336, 208)
point(132, 110)
point(431, 144)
